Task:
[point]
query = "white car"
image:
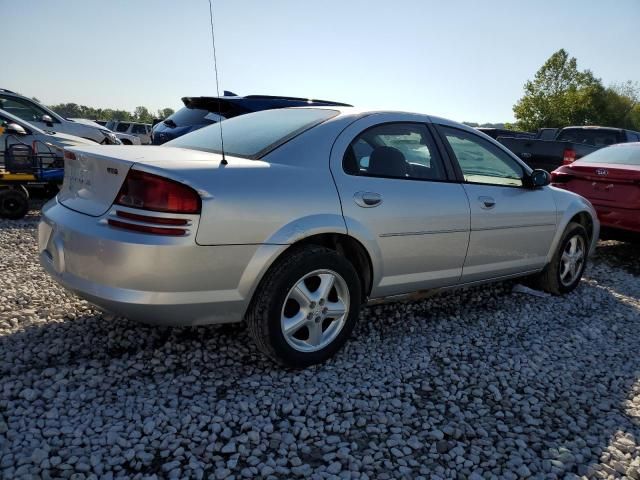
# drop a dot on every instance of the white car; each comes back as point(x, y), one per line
point(124, 138)
point(42, 117)
point(15, 130)
point(139, 130)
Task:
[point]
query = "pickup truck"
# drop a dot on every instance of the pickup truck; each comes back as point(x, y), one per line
point(569, 144)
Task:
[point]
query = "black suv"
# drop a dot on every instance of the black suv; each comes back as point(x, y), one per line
point(199, 112)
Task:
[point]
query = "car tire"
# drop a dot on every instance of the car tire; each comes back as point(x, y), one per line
point(14, 203)
point(295, 315)
point(562, 275)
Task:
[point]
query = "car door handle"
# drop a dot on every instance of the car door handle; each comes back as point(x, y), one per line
point(487, 202)
point(367, 199)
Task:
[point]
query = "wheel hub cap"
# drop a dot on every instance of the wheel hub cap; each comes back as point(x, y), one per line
point(572, 260)
point(315, 310)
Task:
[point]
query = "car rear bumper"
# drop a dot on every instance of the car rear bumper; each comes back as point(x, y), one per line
point(151, 279)
point(619, 218)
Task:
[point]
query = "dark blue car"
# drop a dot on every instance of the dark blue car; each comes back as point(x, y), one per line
point(199, 112)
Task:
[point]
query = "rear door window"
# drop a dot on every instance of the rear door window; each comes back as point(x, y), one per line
point(122, 127)
point(397, 150)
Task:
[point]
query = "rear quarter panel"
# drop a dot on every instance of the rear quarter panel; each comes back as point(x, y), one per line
point(284, 197)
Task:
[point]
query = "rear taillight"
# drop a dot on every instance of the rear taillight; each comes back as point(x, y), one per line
point(149, 192)
point(569, 156)
point(146, 191)
point(69, 155)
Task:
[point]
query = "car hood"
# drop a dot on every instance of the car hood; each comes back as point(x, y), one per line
point(66, 140)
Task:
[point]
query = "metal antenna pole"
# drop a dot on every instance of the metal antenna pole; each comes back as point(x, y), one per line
point(215, 66)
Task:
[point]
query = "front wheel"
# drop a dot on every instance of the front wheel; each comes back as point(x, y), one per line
point(563, 273)
point(306, 307)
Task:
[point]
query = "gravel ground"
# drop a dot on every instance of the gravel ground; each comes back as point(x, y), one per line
point(483, 383)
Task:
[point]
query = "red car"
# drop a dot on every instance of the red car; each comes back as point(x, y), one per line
point(610, 179)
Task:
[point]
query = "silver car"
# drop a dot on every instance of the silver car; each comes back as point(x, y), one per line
point(309, 214)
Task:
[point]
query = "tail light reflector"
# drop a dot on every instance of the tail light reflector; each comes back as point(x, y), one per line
point(147, 191)
point(147, 228)
point(569, 156)
point(147, 219)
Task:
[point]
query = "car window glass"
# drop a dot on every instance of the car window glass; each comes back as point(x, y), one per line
point(255, 134)
point(481, 161)
point(598, 138)
point(122, 127)
point(138, 129)
point(22, 109)
point(399, 150)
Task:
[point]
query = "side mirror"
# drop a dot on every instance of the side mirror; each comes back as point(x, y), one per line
point(47, 119)
point(539, 178)
point(15, 129)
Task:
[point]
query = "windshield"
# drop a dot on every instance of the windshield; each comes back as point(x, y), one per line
point(188, 116)
point(623, 154)
point(255, 134)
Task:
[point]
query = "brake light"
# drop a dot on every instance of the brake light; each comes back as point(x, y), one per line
point(146, 191)
point(69, 155)
point(569, 156)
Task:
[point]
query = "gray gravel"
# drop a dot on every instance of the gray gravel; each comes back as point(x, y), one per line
point(483, 383)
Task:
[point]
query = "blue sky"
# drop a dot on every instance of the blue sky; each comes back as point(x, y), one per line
point(464, 59)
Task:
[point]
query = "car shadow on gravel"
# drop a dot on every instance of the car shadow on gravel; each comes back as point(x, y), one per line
point(625, 255)
point(481, 368)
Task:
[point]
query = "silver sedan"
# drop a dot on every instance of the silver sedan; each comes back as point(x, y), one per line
point(307, 215)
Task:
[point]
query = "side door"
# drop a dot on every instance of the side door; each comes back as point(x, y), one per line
point(400, 198)
point(512, 225)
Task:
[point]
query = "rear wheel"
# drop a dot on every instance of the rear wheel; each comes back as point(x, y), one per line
point(14, 203)
point(563, 273)
point(305, 307)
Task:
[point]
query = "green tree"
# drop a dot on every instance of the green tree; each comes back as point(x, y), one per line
point(141, 114)
point(560, 95)
point(620, 106)
point(165, 112)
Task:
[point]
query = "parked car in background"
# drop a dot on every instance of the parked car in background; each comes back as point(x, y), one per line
point(15, 130)
point(610, 179)
point(139, 130)
point(503, 132)
point(43, 117)
point(123, 138)
point(199, 112)
point(570, 144)
point(308, 214)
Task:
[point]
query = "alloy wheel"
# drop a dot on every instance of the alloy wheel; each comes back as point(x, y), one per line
point(572, 260)
point(315, 311)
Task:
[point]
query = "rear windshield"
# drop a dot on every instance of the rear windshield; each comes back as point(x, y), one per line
point(255, 134)
point(597, 138)
point(189, 116)
point(623, 154)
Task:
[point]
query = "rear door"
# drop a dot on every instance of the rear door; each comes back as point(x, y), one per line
point(399, 197)
point(512, 226)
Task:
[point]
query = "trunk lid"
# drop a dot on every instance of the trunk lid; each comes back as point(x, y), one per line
point(94, 177)
point(606, 184)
